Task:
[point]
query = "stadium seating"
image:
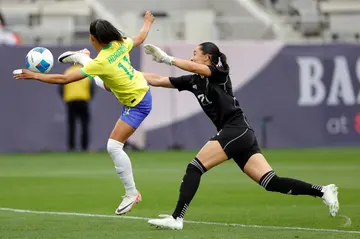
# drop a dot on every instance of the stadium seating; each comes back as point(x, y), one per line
point(342, 17)
point(227, 17)
point(226, 20)
point(327, 19)
point(181, 20)
point(46, 22)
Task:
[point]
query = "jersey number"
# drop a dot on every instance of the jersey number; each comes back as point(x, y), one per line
point(204, 100)
point(129, 70)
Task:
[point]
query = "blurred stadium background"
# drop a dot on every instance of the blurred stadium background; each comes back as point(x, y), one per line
point(295, 71)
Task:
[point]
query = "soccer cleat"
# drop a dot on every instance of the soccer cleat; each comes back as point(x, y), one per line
point(127, 204)
point(73, 57)
point(330, 198)
point(167, 222)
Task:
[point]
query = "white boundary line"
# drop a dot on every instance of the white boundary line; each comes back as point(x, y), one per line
point(192, 222)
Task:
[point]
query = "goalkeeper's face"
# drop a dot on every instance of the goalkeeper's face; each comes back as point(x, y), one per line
point(200, 57)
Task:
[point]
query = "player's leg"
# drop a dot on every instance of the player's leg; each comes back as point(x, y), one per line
point(84, 120)
point(115, 145)
point(260, 171)
point(71, 57)
point(81, 57)
point(210, 155)
point(71, 125)
point(130, 120)
point(254, 164)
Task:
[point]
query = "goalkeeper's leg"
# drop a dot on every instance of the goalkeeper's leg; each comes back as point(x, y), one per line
point(260, 171)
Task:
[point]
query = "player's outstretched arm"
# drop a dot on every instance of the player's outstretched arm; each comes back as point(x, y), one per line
point(157, 80)
point(81, 57)
point(48, 78)
point(141, 37)
point(160, 56)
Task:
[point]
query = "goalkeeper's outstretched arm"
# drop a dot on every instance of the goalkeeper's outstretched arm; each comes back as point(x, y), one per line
point(186, 65)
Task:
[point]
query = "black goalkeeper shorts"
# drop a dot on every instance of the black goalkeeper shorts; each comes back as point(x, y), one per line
point(239, 143)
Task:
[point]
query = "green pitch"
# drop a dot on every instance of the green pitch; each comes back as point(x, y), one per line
point(87, 183)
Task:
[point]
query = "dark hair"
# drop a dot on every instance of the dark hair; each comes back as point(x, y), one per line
point(215, 54)
point(104, 31)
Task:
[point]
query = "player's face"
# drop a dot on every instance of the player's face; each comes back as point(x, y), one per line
point(199, 56)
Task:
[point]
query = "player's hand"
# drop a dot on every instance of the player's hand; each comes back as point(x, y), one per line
point(149, 18)
point(24, 74)
point(158, 54)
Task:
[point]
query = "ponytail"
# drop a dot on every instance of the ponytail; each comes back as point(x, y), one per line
point(216, 56)
point(223, 60)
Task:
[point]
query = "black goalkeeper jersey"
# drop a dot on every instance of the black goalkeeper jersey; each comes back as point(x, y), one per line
point(215, 96)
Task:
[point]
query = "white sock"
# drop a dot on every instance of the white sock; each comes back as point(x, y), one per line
point(122, 166)
point(99, 83)
point(85, 59)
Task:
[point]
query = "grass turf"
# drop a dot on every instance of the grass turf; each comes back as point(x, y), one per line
point(87, 183)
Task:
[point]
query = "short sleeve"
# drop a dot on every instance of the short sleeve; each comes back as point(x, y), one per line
point(182, 83)
point(129, 42)
point(218, 74)
point(92, 69)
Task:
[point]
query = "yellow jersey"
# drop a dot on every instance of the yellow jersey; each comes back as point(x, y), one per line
point(78, 90)
point(113, 66)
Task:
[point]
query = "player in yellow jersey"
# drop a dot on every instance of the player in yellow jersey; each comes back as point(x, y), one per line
point(129, 86)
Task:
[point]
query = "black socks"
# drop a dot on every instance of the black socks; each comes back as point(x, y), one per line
point(271, 182)
point(188, 187)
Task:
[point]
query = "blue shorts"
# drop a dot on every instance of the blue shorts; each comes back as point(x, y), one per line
point(134, 116)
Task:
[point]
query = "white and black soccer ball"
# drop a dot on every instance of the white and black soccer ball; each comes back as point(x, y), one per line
point(39, 59)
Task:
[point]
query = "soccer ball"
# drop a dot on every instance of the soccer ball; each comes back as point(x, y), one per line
point(39, 59)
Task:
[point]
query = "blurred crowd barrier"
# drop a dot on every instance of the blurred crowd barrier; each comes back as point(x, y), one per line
point(294, 96)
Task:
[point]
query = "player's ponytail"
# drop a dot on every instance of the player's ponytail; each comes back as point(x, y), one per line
point(105, 32)
point(217, 58)
point(223, 60)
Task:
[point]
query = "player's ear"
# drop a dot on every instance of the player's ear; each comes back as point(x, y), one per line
point(208, 57)
point(92, 38)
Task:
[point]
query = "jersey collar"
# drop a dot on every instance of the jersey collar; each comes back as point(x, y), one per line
point(108, 46)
